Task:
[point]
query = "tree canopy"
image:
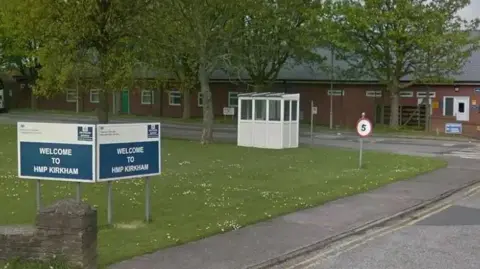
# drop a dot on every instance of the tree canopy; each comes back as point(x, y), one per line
point(404, 42)
point(112, 44)
point(270, 34)
point(98, 33)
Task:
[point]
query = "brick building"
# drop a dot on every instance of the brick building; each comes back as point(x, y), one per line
point(450, 103)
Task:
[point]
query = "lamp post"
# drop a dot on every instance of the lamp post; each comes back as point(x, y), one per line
point(331, 86)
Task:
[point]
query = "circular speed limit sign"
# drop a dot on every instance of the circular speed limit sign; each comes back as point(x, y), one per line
point(364, 127)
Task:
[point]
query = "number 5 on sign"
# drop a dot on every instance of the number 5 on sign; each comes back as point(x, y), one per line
point(364, 127)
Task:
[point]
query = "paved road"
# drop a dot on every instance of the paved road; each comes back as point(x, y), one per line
point(227, 133)
point(446, 239)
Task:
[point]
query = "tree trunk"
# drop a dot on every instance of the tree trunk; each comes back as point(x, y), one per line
point(394, 105)
point(207, 133)
point(260, 87)
point(102, 110)
point(186, 113)
point(33, 99)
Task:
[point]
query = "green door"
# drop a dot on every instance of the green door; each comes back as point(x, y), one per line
point(125, 101)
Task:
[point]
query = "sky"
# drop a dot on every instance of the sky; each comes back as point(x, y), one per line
point(471, 12)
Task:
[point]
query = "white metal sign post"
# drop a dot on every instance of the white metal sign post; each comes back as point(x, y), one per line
point(313, 111)
point(364, 129)
point(87, 153)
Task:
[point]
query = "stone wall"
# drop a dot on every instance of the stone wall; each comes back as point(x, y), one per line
point(66, 229)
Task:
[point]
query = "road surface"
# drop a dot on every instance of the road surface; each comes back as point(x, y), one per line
point(417, 147)
point(447, 238)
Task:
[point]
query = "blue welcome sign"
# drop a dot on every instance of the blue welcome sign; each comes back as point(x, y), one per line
point(88, 153)
point(128, 151)
point(56, 151)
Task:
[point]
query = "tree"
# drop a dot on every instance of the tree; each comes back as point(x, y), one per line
point(186, 74)
point(203, 31)
point(165, 49)
point(21, 40)
point(404, 42)
point(104, 29)
point(273, 32)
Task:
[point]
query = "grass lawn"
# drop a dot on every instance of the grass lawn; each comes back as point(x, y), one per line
point(208, 189)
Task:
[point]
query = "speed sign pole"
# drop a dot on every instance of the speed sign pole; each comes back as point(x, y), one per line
point(364, 129)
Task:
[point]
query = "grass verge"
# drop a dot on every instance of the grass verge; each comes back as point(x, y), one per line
point(206, 190)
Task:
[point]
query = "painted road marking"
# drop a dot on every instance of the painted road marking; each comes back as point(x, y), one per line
point(336, 250)
point(448, 145)
point(468, 153)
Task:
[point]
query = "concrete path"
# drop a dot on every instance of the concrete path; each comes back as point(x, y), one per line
point(265, 241)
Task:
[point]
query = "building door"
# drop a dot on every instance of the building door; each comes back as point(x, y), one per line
point(125, 101)
point(462, 108)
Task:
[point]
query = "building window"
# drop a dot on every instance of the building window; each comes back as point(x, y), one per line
point(448, 109)
point(246, 113)
point(424, 94)
point(232, 99)
point(274, 110)
point(71, 96)
point(174, 98)
point(199, 99)
point(260, 109)
point(373, 93)
point(335, 92)
point(147, 97)
point(406, 94)
point(94, 96)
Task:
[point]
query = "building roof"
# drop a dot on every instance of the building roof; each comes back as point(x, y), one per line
point(313, 72)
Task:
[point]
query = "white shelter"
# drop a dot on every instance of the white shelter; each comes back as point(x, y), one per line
point(268, 120)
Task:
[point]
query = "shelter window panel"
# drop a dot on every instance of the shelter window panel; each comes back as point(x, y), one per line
point(246, 110)
point(274, 110)
point(260, 109)
point(294, 110)
point(286, 110)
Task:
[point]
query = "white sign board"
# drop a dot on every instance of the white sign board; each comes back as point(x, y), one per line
point(228, 111)
point(128, 151)
point(314, 110)
point(2, 98)
point(364, 127)
point(56, 151)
